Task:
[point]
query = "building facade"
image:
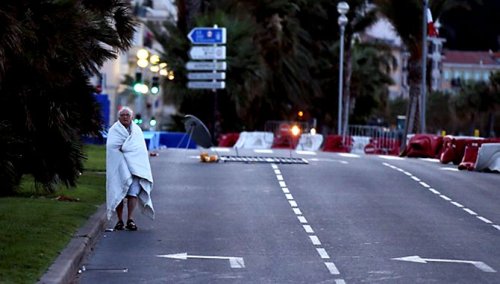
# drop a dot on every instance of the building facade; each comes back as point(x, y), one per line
point(463, 66)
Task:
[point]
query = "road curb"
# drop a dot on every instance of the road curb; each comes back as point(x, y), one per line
point(66, 266)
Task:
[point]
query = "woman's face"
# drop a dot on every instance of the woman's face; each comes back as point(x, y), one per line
point(125, 118)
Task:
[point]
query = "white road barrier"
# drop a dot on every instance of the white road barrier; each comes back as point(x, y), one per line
point(310, 142)
point(488, 157)
point(255, 140)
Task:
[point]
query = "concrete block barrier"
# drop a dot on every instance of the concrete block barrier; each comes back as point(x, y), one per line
point(424, 146)
point(454, 148)
point(334, 143)
point(382, 146)
point(470, 157)
point(228, 139)
point(255, 140)
point(310, 142)
point(488, 157)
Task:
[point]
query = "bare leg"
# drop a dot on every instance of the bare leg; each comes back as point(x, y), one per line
point(119, 211)
point(119, 214)
point(131, 204)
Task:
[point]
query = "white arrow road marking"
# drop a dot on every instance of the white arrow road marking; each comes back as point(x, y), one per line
point(478, 264)
point(235, 262)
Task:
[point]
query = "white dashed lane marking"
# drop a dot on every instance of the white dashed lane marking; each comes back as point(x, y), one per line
point(302, 219)
point(444, 197)
point(322, 253)
point(315, 240)
point(332, 268)
point(308, 229)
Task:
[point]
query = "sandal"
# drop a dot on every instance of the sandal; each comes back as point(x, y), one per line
point(119, 226)
point(131, 225)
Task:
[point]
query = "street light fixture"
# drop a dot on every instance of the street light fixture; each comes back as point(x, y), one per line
point(142, 58)
point(342, 8)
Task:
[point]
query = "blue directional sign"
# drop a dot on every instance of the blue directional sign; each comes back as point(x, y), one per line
point(206, 35)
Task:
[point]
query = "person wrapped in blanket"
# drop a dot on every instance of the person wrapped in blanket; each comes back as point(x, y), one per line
point(128, 172)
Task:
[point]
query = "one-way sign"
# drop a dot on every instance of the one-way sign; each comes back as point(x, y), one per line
point(205, 35)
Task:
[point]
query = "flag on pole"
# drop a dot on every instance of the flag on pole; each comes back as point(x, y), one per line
point(431, 29)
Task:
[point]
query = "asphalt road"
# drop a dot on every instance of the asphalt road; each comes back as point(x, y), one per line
point(339, 219)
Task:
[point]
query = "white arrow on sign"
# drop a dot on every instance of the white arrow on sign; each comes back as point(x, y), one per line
point(207, 52)
point(478, 264)
point(206, 65)
point(235, 262)
point(207, 35)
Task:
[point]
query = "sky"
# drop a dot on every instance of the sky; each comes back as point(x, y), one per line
point(475, 30)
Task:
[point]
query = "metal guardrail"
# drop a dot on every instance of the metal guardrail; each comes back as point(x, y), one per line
point(383, 140)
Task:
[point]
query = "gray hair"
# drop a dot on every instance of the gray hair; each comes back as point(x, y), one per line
point(125, 109)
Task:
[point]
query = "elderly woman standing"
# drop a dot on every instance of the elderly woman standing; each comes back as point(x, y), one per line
point(128, 172)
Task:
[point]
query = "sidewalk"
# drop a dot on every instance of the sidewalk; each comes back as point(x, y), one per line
point(66, 266)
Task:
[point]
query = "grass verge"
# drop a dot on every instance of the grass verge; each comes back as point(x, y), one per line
point(35, 229)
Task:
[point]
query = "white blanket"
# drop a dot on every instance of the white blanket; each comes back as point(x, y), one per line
point(127, 155)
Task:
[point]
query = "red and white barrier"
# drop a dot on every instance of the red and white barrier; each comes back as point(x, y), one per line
point(488, 157)
point(423, 146)
point(255, 140)
point(470, 157)
point(310, 142)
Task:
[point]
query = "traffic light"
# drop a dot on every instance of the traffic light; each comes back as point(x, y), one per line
point(138, 119)
point(155, 85)
point(138, 82)
point(152, 122)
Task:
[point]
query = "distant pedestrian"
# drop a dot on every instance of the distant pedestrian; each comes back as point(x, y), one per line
point(128, 172)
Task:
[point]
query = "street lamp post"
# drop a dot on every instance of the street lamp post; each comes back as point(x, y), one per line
point(423, 96)
point(342, 8)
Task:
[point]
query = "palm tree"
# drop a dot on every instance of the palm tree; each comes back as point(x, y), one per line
point(282, 57)
point(371, 65)
point(407, 17)
point(361, 17)
point(495, 93)
point(52, 48)
point(472, 101)
point(268, 65)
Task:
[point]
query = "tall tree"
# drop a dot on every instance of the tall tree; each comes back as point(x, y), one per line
point(282, 57)
point(360, 16)
point(50, 50)
point(472, 101)
point(371, 65)
point(407, 18)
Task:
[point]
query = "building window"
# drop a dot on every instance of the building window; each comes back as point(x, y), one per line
point(447, 75)
point(467, 75)
point(477, 76)
point(486, 76)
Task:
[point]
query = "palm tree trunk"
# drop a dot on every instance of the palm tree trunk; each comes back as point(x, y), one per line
point(412, 113)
